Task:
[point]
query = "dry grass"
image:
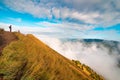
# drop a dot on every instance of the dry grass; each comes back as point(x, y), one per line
point(1, 30)
point(88, 70)
point(30, 59)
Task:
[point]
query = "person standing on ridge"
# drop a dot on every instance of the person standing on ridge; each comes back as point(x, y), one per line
point(10, 27)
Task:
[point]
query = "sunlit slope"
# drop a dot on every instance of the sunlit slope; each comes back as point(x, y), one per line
point(30, 59)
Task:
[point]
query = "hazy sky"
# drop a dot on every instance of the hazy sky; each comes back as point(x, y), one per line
point(63, 18)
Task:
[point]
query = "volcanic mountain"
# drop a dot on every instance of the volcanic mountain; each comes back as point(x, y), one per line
point(24, 57)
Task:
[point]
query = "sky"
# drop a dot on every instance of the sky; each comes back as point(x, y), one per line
point(98, 19)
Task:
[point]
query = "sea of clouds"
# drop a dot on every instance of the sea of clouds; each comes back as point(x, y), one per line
point(105, 60)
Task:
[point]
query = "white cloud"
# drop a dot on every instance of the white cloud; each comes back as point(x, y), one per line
point(56, 12)
point(65, 30)
point(28, 6)
point(65, 26)
point(109, 19)
point(117, 2)
point(95, 55)
point(15, 19)
point(99, 12)
point(65, 13)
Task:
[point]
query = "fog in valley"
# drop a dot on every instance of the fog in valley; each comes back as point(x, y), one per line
point(102, 56)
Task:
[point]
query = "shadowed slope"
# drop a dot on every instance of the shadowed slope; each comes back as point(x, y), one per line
point(30, 59)
point(5, 39)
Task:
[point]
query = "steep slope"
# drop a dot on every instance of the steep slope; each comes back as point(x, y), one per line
point(30, 59)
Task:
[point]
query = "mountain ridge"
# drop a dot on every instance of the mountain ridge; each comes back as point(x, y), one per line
point(90, 40)
point(29, 59)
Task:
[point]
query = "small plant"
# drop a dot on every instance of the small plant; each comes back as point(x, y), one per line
point(88, 70)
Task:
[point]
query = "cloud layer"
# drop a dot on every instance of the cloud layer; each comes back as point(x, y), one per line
point(105, 12)
point(64, 30)
point(97, 56)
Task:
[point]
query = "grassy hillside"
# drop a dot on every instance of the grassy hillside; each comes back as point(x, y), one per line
point(87, 70)
point(30, 59)
point(6, 38)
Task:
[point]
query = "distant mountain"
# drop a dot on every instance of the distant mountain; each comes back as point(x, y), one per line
point(111, 45)
point(93, 40)
point(27, 58)
point(90, 40)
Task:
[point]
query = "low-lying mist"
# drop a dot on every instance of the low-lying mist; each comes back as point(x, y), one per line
point(102, 57)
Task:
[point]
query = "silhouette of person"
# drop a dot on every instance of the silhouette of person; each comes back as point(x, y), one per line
point(10, 27)
point(18, 31)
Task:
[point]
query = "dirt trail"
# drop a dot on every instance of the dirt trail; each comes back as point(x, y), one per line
point(5, 39)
